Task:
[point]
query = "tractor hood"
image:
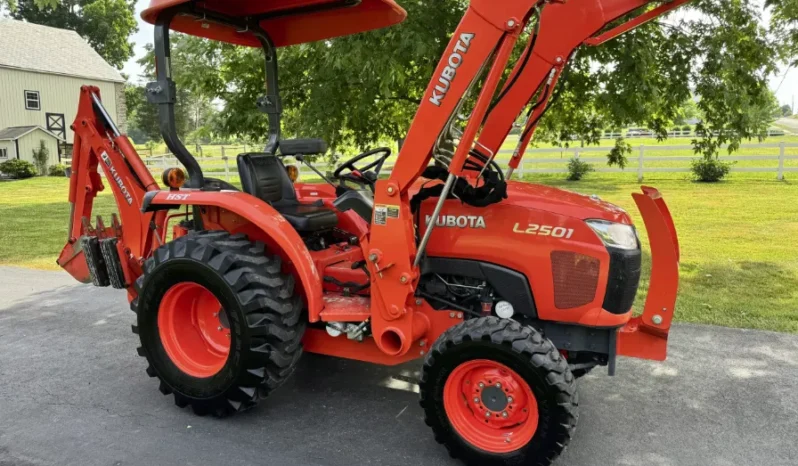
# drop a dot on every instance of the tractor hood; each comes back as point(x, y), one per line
point(562, 202)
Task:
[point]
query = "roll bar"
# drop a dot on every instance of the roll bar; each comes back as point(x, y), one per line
point(163, 91)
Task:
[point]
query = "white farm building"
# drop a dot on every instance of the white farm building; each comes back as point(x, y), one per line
point(41, 72)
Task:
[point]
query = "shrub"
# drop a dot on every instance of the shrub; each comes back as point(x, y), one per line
point(40, 158)
point(17, 168)
point(687, 128)
point(710, 169)
point(578, 169)
point(57, 170)
point(618, 153)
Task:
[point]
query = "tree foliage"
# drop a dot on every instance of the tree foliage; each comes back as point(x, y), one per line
point(105, 24)
point(195, 113)
point(785, 22)
point(365, 88)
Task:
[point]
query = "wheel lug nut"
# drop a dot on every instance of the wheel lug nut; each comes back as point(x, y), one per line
point(476, 400)
point(487, 414)
point(504, 414)
point(219, 328)
point(481, 385)
point(509, 399)
point(498, 385)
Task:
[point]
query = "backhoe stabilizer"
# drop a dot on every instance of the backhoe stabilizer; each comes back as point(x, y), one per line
point(646, 336)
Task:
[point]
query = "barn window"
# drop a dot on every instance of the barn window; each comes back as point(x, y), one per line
point(32, 100)
point(3, 153)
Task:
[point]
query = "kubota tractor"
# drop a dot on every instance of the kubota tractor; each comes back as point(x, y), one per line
point(509, 291)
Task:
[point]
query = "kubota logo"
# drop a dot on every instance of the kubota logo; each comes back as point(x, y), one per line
point(448, 74)
point(117, 178)
point(461, 221)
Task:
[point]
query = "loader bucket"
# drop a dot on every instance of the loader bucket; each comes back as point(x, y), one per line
point(646, 336)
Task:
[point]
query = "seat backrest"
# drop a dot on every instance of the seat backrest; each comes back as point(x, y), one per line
point(265, 177)
point(313, 146)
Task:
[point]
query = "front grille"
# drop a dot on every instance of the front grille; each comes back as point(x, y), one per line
point(575, 279)
point(623, 280)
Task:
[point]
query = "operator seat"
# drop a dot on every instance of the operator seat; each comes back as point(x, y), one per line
point(265, 177)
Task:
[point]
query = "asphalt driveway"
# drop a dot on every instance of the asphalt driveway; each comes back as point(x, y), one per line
point(790, 123)
point(73, 392)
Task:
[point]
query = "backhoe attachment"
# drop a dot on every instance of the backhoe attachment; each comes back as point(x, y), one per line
point(98, 254)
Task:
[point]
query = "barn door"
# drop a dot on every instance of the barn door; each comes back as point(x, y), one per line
point(56, 125)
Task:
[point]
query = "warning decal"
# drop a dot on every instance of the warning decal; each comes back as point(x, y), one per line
point(380, 215)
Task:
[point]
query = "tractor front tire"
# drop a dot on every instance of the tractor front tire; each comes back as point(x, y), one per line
point(498, 393)
point(219, 323)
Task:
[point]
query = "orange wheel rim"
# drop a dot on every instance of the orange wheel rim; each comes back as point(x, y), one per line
point(490, 406)
point(193, 329)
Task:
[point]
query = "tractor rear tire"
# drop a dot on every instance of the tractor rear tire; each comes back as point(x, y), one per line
point(498, 393)
point(219, 323)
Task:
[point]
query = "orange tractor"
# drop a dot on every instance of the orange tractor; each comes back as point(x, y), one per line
point(509, 291)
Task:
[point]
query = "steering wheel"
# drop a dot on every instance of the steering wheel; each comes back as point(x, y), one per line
point(363, 176)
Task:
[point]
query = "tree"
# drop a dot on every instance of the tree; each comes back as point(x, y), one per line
point(786, 110)
point(687, 111)
point(362, 89)
point(195, 113)
point(142, 116)
point(105, 24)
point(40, 158)
point(785, 27)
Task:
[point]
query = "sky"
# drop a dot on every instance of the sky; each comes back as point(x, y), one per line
point(784, 83)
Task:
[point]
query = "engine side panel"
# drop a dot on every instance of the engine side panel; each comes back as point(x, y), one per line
point(523, 239)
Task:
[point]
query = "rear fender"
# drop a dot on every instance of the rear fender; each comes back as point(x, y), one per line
point(646, 336)
point(278, 232)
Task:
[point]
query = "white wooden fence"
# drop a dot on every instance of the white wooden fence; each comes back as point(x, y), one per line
point(225, 167)
point(638, 162)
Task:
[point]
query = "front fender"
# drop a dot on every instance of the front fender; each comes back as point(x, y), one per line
point(277, 231)
point(646, 336)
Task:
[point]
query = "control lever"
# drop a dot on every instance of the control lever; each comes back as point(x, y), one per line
point(301, 158)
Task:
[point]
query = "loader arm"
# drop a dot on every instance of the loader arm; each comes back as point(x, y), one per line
point(483, 41)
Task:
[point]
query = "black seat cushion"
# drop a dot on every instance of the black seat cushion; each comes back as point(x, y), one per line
point(265, 177)
point(308, 218)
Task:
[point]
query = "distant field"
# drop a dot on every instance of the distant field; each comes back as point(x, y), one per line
point(739, 256)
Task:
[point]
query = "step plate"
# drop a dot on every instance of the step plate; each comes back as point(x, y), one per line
point(339, 308)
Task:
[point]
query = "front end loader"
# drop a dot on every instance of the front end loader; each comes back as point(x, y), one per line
point(509, 291)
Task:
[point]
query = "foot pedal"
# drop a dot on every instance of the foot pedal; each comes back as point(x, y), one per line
point(95, 261)
point(113, 265)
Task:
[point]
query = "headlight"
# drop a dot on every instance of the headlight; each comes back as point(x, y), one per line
point(616, 235)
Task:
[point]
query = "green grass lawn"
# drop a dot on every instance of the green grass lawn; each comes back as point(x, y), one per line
point(739, 254)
